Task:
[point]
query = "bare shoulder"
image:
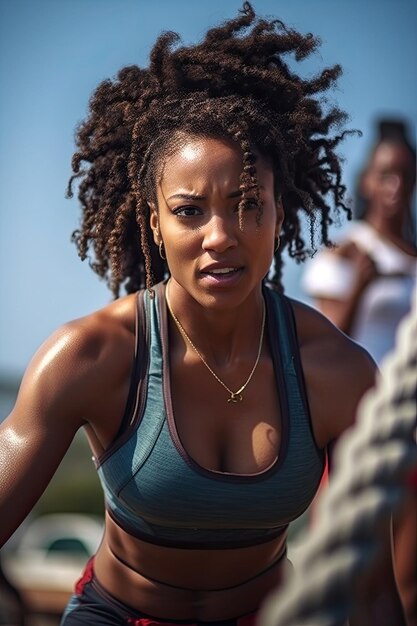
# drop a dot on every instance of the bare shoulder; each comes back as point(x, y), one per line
point(80, 360)
point(337, 372)
point(77, 377)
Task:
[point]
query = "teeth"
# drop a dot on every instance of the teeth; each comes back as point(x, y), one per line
point(224, 270)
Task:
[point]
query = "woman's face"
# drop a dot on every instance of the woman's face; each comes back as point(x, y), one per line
point(389, 181)
point(209, 256)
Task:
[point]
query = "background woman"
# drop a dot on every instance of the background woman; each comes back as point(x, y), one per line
point(365, 284)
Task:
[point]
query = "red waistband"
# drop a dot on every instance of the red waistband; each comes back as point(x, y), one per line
point(86, 577)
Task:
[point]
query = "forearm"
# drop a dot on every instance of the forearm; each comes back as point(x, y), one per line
point(341, 312)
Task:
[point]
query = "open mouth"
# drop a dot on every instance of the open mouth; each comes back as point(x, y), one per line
point(222, 274)
point(222, 271)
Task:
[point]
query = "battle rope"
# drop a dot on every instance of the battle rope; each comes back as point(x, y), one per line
point(367, 485)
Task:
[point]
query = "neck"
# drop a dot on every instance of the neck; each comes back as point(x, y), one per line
point(224, 336)
point(389, 227)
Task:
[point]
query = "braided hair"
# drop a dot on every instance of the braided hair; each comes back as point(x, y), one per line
point(234, 84)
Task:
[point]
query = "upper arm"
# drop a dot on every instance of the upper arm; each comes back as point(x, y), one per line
point(337, 372)
point(49, 409)
point(340, 384)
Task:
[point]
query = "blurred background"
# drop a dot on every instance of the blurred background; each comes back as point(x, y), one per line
point(52, 55)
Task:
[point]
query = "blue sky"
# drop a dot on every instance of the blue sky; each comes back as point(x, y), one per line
point(53, 54)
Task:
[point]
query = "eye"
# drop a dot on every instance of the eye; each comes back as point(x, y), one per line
point(187, 211)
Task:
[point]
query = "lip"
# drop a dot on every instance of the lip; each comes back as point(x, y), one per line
point(213, 267)
point(227, 279)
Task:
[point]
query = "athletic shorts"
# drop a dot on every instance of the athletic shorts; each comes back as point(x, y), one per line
point(91, 604)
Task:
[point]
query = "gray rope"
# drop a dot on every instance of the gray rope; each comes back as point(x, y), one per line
point(370, 463)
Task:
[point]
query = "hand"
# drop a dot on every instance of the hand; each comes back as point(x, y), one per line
point(364, 267)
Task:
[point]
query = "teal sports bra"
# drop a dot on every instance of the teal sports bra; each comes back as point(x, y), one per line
point(155, 491)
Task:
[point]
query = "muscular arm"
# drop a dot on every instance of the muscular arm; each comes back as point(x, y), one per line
point(337, 373)
point(37, 433)
point(61, 390)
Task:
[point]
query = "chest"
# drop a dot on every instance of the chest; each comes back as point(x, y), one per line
point(242, 437)
point(171, 481)
point(190, 461)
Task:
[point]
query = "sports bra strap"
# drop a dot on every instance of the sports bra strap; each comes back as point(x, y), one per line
point(138, 378)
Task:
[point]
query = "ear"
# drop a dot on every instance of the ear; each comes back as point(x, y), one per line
point(280, 215)
point(154, 224)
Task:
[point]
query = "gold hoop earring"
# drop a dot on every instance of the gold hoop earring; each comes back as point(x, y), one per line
point(162, 251)
point(277, 242)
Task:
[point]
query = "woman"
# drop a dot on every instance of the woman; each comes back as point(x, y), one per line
point(364, 285)
point(209, 399)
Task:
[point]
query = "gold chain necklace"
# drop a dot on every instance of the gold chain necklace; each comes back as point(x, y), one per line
point(235, 396)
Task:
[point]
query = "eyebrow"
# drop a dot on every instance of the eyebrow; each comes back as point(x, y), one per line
point(190, 196)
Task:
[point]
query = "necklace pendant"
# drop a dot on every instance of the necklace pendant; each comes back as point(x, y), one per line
point(235, 397)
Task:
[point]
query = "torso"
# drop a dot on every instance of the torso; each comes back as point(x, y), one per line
point(212, 584)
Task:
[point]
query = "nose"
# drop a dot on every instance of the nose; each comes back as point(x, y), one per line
point(220, 234)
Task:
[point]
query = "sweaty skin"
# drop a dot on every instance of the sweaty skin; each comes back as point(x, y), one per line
point(80, 378)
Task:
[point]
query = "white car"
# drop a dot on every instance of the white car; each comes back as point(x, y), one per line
point(49, 558)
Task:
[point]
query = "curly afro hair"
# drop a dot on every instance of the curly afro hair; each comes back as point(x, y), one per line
point(236, 85)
